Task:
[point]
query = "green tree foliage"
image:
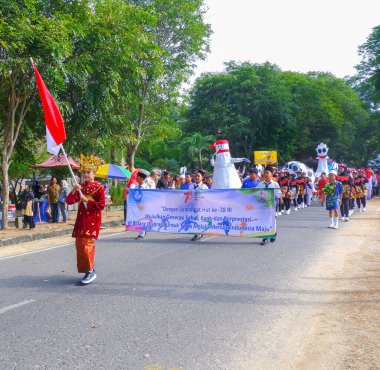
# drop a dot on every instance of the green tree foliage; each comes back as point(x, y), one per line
point(27, 28)
point(260, 107)
point(367, 81)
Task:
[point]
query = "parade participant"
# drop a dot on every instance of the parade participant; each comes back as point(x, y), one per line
point(294, 189)
point(332, 195)
point(163, 181)
point(140, 184)
point(269, 183)
point(151, 180)
point(188, 182)
point(198, 185)
point(225, 174)
point(253, 180)
point(208, 181)
point(301, 190)
point(360, 190)
point(321, 184)
point(344, 178)
point(286, 196)
point(91, 197)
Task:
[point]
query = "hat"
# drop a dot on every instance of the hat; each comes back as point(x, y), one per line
point(334, 172)
point(90, 163)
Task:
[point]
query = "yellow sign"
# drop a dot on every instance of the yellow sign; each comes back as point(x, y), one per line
point(266, 157)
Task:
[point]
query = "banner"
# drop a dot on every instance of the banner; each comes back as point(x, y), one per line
point(265, 157)
point(232, 212)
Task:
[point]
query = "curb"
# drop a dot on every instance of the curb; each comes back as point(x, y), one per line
point(50, 234)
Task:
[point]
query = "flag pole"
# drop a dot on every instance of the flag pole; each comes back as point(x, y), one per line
point(72, 172)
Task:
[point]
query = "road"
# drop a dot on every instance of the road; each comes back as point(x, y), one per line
point(223, 303)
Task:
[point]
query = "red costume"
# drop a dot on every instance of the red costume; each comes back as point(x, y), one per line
point(87, 224)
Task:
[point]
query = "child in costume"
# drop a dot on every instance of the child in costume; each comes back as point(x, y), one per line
point(91, 197)
point(332, 195)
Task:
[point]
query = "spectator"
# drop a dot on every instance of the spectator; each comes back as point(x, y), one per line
point(53, 194)
point(63, 192)
point(28, 211)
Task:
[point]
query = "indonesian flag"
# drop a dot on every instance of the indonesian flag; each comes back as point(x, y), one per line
point(55, 130)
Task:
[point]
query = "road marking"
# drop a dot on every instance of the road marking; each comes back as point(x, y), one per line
point(57, 246)
point(16, 305)
point(210, 237)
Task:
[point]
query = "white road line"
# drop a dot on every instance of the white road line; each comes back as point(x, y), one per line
point(57, 246)
point(210, 237)
point(13, 306)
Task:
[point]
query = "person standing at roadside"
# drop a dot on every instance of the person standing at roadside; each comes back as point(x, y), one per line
point(53, 194)
point(63, 192)
point(151, 181)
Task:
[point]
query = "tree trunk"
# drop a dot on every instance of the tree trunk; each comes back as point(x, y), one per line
point(131, 156)
point(5, 185)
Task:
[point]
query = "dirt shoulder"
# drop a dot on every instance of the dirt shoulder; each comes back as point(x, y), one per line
point(343, 328)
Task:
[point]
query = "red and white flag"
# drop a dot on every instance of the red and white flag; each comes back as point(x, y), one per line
point(55, 129)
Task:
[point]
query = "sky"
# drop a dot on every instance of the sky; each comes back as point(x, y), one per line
point(296, 35)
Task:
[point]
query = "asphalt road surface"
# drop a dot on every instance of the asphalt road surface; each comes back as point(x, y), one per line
point(223, 303)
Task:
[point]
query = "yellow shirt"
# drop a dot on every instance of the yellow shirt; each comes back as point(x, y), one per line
point(28, 211)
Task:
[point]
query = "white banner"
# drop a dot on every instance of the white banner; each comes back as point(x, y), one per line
point(232, 212)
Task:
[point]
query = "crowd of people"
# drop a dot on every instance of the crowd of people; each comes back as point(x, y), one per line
point(296, 190)
point(53, 194)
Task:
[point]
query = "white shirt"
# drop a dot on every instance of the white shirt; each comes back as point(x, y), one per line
point(200, 186)
point(150, 183)
point(137, 186)
point(271, 185)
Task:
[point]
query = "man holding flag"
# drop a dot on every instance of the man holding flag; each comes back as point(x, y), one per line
point(90, 194)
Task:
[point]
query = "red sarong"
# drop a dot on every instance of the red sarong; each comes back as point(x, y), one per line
point(85, 254)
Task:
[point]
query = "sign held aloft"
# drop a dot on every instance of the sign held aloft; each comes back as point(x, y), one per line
point(265, 157)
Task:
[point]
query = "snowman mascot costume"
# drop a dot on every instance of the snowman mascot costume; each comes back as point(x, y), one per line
point(225, 174)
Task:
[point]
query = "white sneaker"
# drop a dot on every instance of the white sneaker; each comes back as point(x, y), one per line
point(343, 218)
point(350, 212)
point(276, 214)
point(335, 226)
point(288, 212)
point(347, 219)
point(279, 213)
point(296, 209)
point(331, 226)
point(364, 210)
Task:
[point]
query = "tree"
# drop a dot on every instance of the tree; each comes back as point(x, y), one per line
point(248, 104)
point(28, 29)
point(182, 37)
point(195, 145)
point(367, 81)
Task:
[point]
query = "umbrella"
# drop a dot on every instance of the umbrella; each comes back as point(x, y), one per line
point(112, 171)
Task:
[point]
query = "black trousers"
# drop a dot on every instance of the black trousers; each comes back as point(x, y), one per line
point(29, 221)
point(362, 201)
point(286, 203)
point(344, 207)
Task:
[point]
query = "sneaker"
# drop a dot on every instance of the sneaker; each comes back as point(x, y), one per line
point(276, 214)
point(335, 226)
point(343, 218)
point(296, 209)
point(331, 226)
point(89, 277)
point(350, 212)
point(347, 219)
point(196, 237)
point(364, 210)
point(288, 212)
point(139, 237)
point(272, 240)
point(279, 214)
point(264, 241)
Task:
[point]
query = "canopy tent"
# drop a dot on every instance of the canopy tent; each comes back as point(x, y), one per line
point(56, 161)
